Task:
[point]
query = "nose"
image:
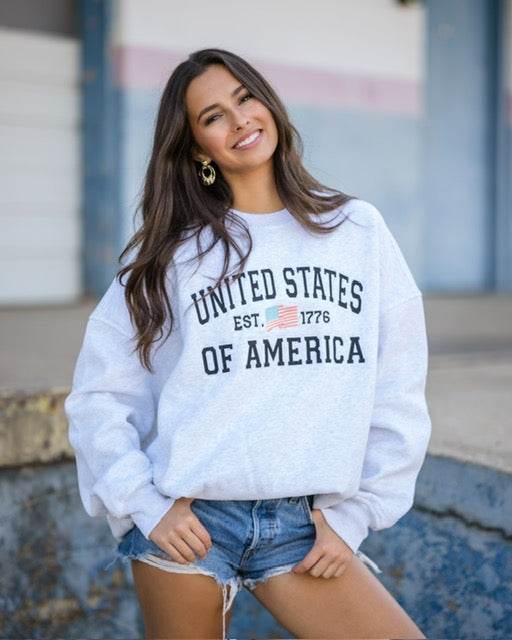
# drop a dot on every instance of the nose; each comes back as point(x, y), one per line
point(240, 121)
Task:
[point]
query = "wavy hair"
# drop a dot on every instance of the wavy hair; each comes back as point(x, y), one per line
point(175, 206)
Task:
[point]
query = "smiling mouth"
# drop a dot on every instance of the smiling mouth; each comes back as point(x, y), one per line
point(247, 141)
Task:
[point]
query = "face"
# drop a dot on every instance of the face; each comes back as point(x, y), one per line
point(229, 125)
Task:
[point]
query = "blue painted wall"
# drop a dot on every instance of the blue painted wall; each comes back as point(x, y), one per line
point(460, 146)
point(373, 156)
point(433, 176)
point(449, 561)
point(376, 157)
point(102, 214)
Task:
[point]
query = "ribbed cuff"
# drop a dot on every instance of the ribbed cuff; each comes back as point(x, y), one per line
point(350, 520)
point(155, 508)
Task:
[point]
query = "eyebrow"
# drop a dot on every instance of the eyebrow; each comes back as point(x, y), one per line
point(214, 106)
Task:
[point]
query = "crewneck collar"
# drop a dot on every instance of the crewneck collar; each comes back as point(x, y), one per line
point(257, 220)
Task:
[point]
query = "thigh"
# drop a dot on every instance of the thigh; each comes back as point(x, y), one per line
point(178, 605)
point(355, 605)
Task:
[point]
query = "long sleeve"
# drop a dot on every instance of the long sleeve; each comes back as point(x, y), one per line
point(111, 410)
point(399, 431)
point(399, 428)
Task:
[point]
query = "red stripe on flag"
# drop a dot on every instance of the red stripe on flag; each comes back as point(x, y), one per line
point(287, 317)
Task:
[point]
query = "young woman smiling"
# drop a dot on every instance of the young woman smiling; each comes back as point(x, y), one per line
point(219, 458)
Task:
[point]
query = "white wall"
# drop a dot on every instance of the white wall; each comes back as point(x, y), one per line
point(39, 168)
point(364, 37)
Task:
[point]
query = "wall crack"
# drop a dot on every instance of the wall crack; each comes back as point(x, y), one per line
point(468, 522)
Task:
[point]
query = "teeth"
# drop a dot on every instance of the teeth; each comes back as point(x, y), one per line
point(248, 140)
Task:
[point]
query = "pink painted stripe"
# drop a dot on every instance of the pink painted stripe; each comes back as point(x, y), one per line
point(138, 67)
point(329, 89)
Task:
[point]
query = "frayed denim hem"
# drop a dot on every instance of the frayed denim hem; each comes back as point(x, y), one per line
point(229, 587)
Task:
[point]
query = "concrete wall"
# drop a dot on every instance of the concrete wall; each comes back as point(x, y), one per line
point(449, 561)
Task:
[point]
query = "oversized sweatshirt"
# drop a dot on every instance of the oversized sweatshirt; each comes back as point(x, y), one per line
point(303, 376)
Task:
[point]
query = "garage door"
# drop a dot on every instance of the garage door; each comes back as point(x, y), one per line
point(39, 168)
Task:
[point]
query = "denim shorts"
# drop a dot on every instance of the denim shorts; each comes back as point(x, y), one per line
point(252, 540)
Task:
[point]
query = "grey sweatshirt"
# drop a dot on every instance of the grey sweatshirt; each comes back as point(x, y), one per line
point(305, 376)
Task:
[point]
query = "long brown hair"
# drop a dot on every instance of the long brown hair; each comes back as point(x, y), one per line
point(175, 205)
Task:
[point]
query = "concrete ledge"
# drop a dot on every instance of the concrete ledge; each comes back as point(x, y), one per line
point(33, 428)
point(470, 403)
point(468, 395)
point(477, 496)
point(468, 388)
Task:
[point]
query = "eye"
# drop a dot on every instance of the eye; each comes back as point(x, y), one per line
point(246, 97)
point(211, 119)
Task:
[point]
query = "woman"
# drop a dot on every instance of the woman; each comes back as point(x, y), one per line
point(249, 398)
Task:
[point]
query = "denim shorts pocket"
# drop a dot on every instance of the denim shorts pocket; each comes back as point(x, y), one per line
point(306, 506)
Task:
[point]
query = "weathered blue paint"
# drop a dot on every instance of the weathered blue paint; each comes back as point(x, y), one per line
point(454, 580)
point(56, 579)
point(102, 216)
point(459, 190)
point(477, 495)
point(449, 561)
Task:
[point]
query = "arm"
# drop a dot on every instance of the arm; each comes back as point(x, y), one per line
point(111, 409)
point(399, 430)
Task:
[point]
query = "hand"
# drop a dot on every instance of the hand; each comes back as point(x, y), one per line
point(180, 533)
point(329, 556)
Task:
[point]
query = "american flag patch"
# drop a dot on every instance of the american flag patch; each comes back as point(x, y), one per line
point(280, 317)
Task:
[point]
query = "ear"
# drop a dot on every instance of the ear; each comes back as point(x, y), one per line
point(199, 156)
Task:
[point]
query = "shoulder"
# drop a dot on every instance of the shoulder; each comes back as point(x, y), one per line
point(362, 213)
point(393, 265)
point(370, 220)
point(112, 309)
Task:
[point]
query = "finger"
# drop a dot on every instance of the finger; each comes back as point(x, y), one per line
point(203, 535)
point(340, 570)
point(197, 545)
point(330, 571)
point(308, 561)
point(320, 567)
point(173, 553)
point(183, 548)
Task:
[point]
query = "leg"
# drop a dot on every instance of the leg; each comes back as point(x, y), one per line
point(355, 605)
point(176, 605)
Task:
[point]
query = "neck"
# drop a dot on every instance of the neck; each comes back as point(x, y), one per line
point(255, 192)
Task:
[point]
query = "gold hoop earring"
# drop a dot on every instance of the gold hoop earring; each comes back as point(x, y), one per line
point(207, 173)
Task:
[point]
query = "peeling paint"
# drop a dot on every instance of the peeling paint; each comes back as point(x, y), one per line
point(450, 566)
